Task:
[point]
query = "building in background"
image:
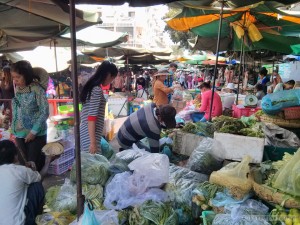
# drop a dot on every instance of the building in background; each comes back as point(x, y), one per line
point(143, 24)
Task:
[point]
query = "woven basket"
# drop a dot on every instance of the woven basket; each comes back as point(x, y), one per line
point(273, 196)
point(292, 113)
point(280, 122)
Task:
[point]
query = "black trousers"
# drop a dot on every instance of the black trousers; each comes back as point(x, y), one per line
point(35, 202)
point(32, 151)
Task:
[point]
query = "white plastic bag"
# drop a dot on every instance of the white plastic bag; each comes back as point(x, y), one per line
point(131, 154)
point(165, 140)
point(154, 167)
point(126, 190)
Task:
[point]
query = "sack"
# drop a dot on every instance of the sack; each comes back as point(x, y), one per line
point(234, 178)
point(43, 76)
point(274, 103)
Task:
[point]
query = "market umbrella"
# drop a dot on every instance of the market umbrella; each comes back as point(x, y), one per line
point(195, 59)
point(261, 25)
point(28, 24)
point(243, 23)
point(296, 49)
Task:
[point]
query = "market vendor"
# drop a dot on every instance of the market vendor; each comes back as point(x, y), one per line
point(204, 111)
point(160, 90)
point(146, 122)
point(263, 78)
point(21, 190)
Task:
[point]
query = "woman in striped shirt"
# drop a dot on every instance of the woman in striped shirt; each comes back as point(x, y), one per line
point(92, 115)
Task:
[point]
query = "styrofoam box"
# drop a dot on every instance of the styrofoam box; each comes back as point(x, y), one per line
point(115, 105)
point(186, 143)
point(236, 147)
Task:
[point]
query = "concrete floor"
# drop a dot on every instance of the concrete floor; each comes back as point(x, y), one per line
point(52, 180)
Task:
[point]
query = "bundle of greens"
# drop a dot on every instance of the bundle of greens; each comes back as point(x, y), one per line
point(204, 192)
point(204, 129)
point(181, 184)
point(94, 169)
point(158, 213)
point(246, 126)
point(94, 193)
point(51, 196)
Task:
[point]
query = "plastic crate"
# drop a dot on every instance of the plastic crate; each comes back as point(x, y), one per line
point(292, 113)
point(60, 168)
point(186, 143)
point(208, 217)
point(68, 153)
point(274, 153)
point(239, 112)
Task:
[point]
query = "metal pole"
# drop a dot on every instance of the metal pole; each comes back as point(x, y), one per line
point(56, 66)
point(80, 197)
point(240, 70)
point(217, 57)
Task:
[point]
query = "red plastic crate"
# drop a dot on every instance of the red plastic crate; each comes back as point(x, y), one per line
point(239, 112)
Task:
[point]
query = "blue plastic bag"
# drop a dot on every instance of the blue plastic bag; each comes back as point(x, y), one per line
point(88, 217)
point(273, 103)
point(106, 149)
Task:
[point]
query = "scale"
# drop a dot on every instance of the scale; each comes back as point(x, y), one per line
point(251, 101)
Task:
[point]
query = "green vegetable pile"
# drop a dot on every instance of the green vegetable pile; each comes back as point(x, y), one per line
point(205, 129)
point(94, 169)
point(155, 213)
point(246, 126)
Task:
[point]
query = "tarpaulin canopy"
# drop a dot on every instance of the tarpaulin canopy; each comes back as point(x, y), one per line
point(208, 4)
point(125, 51)
point(261, 24)
point(133, 3)
point(96, 36)
point(28, 24)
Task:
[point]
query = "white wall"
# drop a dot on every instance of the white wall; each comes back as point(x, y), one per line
point(290, 71)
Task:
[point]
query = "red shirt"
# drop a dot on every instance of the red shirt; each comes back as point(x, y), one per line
point(205, 104)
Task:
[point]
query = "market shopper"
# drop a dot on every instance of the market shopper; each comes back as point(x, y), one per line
point(30, 110)
point(118, 83)
point(146, 122)
point(21, 190)
point(204, 111)
point(159, 89)
point(93, 110)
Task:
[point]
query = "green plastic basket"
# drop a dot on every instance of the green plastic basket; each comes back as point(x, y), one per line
point(67, 109)
point(208, 217)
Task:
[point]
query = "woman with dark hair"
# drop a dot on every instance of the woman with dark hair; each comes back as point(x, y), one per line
point(92, 115)
point(263, 78)
point(30, 110)
point(7, 87)
point(204, 111)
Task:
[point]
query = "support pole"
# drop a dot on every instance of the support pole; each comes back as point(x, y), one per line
point(217, 58)
point(80, 197)
point(240, 70)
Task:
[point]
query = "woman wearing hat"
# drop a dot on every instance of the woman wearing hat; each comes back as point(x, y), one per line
point(160, 90)
point(146, 122)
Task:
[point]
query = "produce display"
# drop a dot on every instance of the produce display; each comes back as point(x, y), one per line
point(143, 188)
